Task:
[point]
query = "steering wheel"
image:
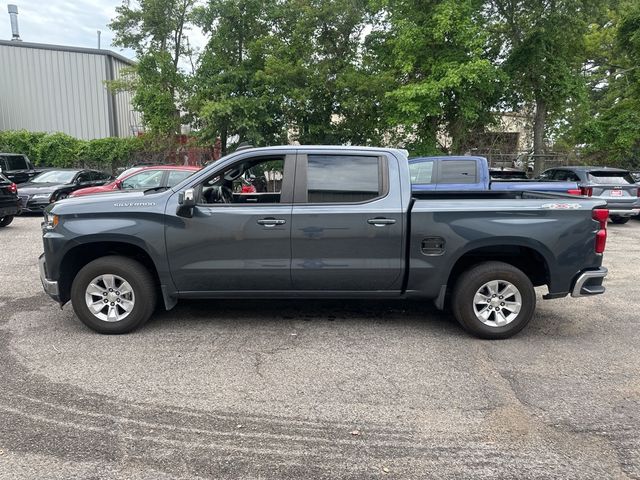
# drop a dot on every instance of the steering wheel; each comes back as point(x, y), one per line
point(226, 195)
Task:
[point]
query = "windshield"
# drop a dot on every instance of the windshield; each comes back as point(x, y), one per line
point(55, 176)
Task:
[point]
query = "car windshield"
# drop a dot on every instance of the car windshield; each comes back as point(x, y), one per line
point(55, 176)
point(610, 178)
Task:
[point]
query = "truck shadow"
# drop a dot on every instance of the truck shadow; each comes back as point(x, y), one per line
point(394, 313)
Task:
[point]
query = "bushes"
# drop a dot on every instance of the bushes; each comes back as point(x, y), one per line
point(62, 150)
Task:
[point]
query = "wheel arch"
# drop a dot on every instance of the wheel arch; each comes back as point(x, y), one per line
point(82, 254)
point(534, 260)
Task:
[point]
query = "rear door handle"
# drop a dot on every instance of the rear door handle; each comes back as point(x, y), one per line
point(381, 222)
point(271, 222)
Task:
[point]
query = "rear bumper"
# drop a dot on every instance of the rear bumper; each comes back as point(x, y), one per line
point(9, 211)
point(589, 283)
point(50, 287)
point(624, 213)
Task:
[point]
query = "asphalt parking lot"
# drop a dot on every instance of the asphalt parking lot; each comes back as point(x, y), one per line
point(262, 390)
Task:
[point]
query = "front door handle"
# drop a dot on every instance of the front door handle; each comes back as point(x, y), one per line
point(271, 222)
point(381, 222)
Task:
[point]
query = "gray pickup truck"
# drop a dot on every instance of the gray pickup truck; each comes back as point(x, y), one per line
point(320, 222)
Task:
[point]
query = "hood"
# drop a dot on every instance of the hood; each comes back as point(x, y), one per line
point(32, 188)
point(110, 202)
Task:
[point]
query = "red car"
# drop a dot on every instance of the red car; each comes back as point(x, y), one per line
point(141, 178)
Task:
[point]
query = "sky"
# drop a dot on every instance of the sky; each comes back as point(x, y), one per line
point(68, 22)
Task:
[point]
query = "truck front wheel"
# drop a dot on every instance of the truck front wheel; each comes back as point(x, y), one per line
point(113, 295)
point(493, 300)
point(4, 221)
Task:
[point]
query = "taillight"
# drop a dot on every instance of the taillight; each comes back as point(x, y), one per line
point(601, 215)
point(584, 191)
point(13, 188)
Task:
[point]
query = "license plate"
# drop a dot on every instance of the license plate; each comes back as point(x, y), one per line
point(616, 193)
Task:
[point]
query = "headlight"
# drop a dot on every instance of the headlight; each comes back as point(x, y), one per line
point(41, 195)
point(50, 221)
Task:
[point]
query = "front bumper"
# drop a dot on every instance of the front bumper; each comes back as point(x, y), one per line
point(624, 213)
point(589, 283)
point(50, 287)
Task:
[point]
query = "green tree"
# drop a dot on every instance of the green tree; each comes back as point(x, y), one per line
point(231, 97)
point(541, 48)
point(156, 31)
point(610, 128)
point(313, 68)
point(446, 82)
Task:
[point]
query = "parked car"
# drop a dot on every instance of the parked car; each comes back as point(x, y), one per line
point(57, 184)
point(9, 201)
point(141, 178)
point(616, 186)
point(342, 223)
point(16, 167)
point(471, 174)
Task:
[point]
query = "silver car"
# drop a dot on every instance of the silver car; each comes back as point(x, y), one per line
point(615, 185)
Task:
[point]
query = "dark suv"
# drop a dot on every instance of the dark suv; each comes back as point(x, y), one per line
point(9, 202)
point(615, 185)
point(16, 167)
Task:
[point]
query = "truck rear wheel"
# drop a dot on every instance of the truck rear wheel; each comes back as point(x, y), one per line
point(4, 221)
point(113, 295)
point(493, 300)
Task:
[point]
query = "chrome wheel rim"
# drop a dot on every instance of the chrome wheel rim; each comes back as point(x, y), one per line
point(109, 298)
point(497, 303)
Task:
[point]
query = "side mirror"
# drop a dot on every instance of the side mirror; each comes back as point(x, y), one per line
point(187, 198)
point(186, 203)
point(118, 184)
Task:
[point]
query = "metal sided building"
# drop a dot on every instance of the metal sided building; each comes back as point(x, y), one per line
point(52, 88)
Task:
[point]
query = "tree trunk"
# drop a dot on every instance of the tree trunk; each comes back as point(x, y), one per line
point(223, 141)
point(538, 135)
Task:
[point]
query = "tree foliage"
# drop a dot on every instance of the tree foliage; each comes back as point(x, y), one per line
point(156, 31)
point(424, 74)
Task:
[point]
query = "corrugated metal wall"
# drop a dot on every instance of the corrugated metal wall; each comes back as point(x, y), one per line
point(50, 90)
point(127, 121)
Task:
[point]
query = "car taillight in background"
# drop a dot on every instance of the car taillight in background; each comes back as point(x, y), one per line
point(13, 188)
point(601, 215)
point(584, 191)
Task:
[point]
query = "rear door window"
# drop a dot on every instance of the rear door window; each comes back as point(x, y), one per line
point(457, 171)
point(610, 178)
point(343, 178)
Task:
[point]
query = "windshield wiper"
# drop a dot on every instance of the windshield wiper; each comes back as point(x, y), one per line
point(155, 189)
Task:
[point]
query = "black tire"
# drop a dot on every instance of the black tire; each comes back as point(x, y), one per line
point(469, 284)
point(142, 284)
point(62, 196)
point(620, 220)
point(4, 221)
